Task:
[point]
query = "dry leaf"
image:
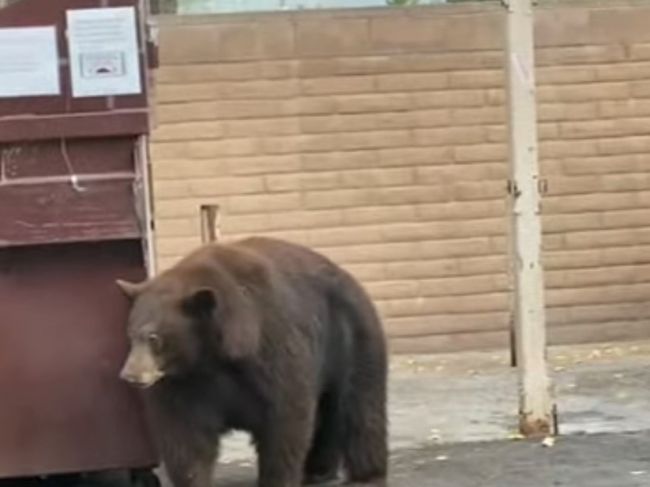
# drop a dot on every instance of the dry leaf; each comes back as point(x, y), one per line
point(515, 436)
point(548, 442)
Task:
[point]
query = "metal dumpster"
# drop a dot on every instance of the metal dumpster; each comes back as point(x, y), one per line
point(74, 215)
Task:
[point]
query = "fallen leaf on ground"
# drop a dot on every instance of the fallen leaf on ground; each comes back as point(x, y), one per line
point(548, 442)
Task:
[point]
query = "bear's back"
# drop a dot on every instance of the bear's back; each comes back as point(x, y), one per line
point(288, 257)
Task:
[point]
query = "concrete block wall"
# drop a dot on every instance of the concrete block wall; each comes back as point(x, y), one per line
point(377, 136)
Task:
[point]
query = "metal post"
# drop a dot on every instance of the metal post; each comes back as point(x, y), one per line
point(143, 186)
point(210, 223)
point(536, 410)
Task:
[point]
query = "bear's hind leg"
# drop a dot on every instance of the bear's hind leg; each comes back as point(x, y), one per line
point(324, 458)
point(365, 443)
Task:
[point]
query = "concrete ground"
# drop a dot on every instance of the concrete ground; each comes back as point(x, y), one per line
point(453, 423)
point(603, 460)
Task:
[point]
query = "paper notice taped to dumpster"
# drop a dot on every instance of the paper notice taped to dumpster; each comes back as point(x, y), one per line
point(104, 55)
point(29, 62)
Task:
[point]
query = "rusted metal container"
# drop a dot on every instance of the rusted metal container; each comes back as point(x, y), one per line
point(74, 216)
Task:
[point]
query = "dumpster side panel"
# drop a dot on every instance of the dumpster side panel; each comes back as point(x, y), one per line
point(71, 222)
point(63, 404)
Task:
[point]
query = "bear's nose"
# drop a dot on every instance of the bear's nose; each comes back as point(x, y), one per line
point(142, 380)
point(128, 376)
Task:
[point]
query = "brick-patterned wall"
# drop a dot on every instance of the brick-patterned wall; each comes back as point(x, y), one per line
point(377, 136)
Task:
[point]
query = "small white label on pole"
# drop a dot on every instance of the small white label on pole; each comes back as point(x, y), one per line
point(104, 54)
point(522, 73)
point(29, 62)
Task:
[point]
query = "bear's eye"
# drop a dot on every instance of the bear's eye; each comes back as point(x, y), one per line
point(155, 342)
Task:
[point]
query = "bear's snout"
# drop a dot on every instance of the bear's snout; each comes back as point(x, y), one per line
point(141, 369)
point(143, 380)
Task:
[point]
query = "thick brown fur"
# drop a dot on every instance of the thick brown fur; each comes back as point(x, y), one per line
point(271, 338)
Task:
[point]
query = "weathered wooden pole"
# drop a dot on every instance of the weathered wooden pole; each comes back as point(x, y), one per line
point(210, 231)
point(536, 409)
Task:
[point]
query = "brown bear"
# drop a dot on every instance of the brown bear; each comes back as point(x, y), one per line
point(268, 337)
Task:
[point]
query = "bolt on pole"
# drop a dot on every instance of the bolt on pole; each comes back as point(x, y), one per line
point(536, 406)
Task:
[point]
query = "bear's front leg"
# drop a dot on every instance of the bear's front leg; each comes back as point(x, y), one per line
point(282, 449)
point(189, 463)
point(190, 473)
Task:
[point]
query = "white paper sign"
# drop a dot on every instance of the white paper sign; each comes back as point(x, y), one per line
point(29, 62)
point(103, 44)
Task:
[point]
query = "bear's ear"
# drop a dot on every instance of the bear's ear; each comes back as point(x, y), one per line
point(200, 303)
point(236, 333)
point(130, 289)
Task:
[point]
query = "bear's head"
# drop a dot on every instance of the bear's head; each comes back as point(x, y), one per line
point(186, 319)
